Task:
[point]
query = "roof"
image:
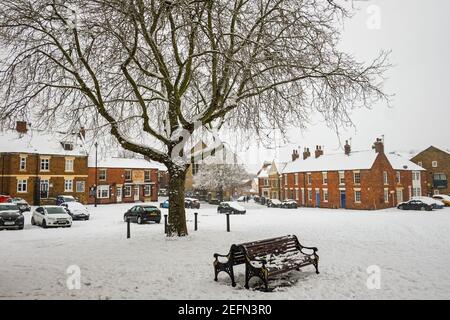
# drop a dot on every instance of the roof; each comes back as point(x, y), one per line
point(128, 163)
point(357, 160)
point(41, 142)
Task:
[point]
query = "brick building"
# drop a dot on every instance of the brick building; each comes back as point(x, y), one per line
point(437, 163)
point(123, 180)
point(365, 180)
point(269, 180)
point(40, 165)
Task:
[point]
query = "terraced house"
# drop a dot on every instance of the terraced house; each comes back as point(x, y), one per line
point(366, 180)
point(39, 165)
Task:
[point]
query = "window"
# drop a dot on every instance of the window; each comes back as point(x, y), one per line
point(357, 196)
point(80, 186)
point(103, 192)
point(357, 177)
point(127, 191)
point(417, 192)
point(23, 163)
point(341, 177)
point(285, 179)
point(325, 177)
point(69, 165)
point(102, 174)
point(436, 192)
point(68, 185)
point(325, 195)
point(416, 175)
point(147, 175)
point(296, 179)
point(22, 186)
point(127, 175)
point(309, 177)
point(310, 194)
point(195, 169)
point(266, 182)
point(398, 177)
point(297, 194)
point(434, 164)
point(147, 190)
point(386, 195)
point(385, 177)
point(45, 164)
point(420, 163)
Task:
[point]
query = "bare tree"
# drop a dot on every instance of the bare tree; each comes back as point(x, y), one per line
point(149, 70)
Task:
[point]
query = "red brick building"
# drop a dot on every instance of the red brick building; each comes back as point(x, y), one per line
point(40, 165)
point(123, 180)
point(367, 180)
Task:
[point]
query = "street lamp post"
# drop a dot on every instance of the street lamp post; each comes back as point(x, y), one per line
point(96, 175)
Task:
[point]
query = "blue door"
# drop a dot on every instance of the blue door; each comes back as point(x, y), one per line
point(317, 199)
point(343, 199)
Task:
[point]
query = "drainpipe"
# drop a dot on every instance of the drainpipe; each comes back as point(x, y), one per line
point(3, 171)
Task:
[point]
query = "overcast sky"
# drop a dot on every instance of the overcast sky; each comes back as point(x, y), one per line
point(417, 33)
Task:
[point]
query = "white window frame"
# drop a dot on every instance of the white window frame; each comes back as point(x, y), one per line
point(69, 165)
point(342, 178)
point(68, 185)
point(147, 187)
point(101, 189)
point(310, 195)
point(42, 165)
point(325, 195)
point(325, 178)
point(22, 186)
point(436, 192)
point(127, 194)
point(296, 179)
point(285, 179)
point(434, 164)
point(385, 178)
point(355, 175)
point(398, 177)
point(266, 182)
point(23, 161)
point(100, 174)
point(356, 197)
point(77, 186)
point(386, 195)
point(147, 172)
point(420, 164)
point(309, 178)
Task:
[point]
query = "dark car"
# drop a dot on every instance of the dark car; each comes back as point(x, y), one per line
point(21, 203)
point(415, 205)
point(61, 199)
point(143, 213)
point(76, 210)
point(230, 207)
point(11, 217)
point(191, 203)
point(274, 203)
point(214, 201)
point(289, 204)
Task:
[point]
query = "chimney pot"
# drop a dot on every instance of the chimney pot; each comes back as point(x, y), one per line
point(378, 146)
point(347, 148)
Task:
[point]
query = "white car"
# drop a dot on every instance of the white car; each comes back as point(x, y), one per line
point(76, 210)
point(51, 216)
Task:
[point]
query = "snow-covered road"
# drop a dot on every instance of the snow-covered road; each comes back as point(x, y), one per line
point(410, 248)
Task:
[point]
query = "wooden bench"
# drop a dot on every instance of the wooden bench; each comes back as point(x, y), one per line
point(267, 258)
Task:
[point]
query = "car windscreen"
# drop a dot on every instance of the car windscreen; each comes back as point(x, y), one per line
point(55, 210)
point(9, 207)
point(149, 209)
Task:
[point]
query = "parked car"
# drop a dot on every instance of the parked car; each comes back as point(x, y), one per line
point(230, 207)
point(76, 210)
point(51, 216)
point(415, 204)
point(192, 203)
point(4, 198)
point(274, 203)
point(143, 213)
point(11, 217)
point(162, 192)
point(289, 204)
point(436, 204)
point(445, 199)
point(214, 201)
point(164, 204)
point(242, 199)
point(62, 198)
point(257, 199)
point(21, 203)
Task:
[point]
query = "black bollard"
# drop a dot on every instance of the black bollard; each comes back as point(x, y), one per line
point(195, 221)
point(128, 228)
point(228, 222)
point(165, 224)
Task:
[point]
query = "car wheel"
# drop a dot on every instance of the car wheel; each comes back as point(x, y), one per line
point(33, 223)
point(44, 224)
point(158, 221)
point(139, 220)
point(401, 207)
point(422, 208)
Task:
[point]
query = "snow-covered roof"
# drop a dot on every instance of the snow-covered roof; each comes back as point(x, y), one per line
point(128, 163)
point(357, 160)
point(41, 142)
point(399, 162)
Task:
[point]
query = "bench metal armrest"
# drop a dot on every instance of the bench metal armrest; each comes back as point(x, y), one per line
point(216, 256)
point(308, 248)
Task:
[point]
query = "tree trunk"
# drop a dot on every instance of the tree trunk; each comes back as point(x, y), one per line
point(177, 214)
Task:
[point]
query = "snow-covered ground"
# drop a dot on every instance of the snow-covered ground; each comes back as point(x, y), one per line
point(410, 248)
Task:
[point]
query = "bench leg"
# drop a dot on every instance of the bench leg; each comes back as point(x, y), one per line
point(316, 265)
point(233, 283)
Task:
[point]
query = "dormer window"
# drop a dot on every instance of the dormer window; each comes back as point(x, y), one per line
point(67, 146)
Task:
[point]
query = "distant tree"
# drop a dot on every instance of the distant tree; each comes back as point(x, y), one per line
point(152, 72)
point(220, 177)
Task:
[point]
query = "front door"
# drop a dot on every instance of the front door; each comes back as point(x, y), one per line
point(343, 199)
point(399, 196)
point(119, 194)
point(136, 193)
point(44, 189)
point(317, 199)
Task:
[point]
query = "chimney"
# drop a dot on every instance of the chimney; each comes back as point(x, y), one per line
point(347, 148)
point(21, 127)
point(82, 133)
point(295, 155)
point(306, 154)
point(319, 151)
point(378, 146)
